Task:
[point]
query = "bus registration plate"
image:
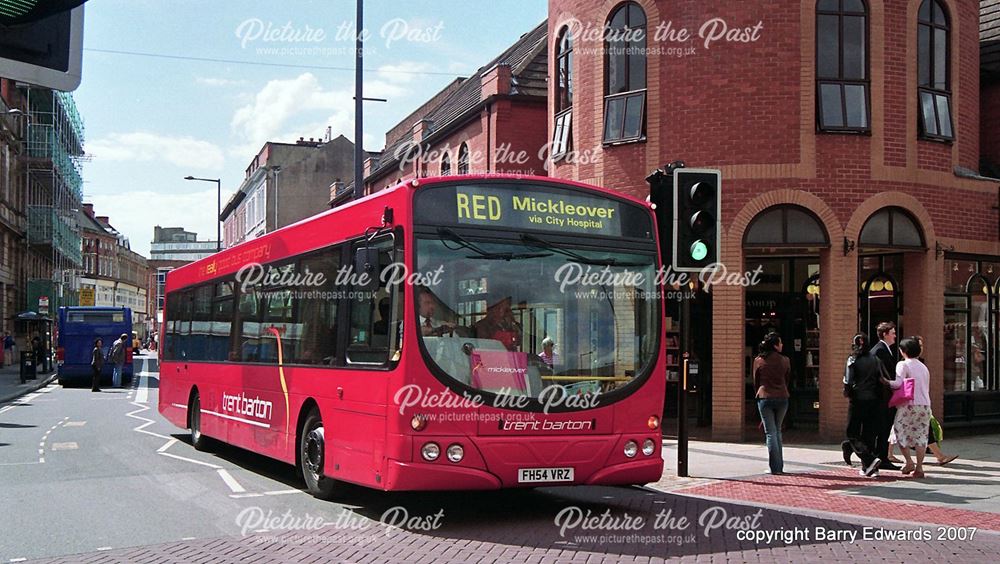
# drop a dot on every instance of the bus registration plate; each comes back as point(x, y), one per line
point(532, 475)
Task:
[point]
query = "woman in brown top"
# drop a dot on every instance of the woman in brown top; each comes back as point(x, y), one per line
point(770, 377)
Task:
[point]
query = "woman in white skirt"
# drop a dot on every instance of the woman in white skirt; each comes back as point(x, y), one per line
point(914, 417)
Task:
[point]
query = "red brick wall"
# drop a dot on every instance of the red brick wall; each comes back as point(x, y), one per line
point(749, 109)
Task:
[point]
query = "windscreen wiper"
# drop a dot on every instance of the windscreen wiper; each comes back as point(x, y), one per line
point(448, 234)
point(533, 241)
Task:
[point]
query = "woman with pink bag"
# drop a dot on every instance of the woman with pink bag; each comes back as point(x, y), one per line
point(912, 397)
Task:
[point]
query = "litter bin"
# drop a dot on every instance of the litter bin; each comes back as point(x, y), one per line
point(28, 366)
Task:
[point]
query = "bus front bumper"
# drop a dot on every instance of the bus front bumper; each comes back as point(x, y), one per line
point(414, 476)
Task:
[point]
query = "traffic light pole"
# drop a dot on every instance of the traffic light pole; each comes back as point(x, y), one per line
point(682, 387)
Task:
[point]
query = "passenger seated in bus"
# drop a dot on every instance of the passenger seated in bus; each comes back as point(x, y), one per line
point(429, 325)
point(499, 325)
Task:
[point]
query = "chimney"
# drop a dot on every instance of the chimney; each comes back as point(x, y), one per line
point(422, 129)
point(103, 220)
point(88, 209)
point(495, 81)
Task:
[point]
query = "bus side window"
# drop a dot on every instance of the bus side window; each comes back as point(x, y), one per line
point(249, 335)
point(370, 326)
point(222, 322)
point(316, 314)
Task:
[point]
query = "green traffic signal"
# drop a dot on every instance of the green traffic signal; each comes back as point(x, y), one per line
point(699, 250)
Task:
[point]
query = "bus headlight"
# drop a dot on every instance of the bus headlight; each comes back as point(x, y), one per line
point(631, 449)
point(648, 447)
point(456, 453)
point(430, 452)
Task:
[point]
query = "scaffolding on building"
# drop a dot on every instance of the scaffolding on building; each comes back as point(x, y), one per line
point(54, 181)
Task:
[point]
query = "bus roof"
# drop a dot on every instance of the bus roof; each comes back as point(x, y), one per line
point(353, 217)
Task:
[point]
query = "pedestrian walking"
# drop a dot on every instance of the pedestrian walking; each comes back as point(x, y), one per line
point(96, 365)
point(8, 349)
point(771, 371)
point(883, 350)
point(913, 417)
point(117, 358)
point(863, 387)
point(934, 432)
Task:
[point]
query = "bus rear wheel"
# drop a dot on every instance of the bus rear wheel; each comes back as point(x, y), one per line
point(312, 455)
point(198, 439)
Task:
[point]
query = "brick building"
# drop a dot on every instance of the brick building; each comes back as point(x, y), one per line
point(285, 183)
point(849, 138)
point(492, 122)
point(113, 274)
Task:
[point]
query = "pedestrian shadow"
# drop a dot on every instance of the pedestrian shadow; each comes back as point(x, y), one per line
point(16, 426)
point(918, 495)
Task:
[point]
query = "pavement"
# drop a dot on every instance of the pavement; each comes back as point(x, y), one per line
point(11, 386)
point(103, 478)
point(965, 492)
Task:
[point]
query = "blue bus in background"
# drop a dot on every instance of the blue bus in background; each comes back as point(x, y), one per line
point(79, 326)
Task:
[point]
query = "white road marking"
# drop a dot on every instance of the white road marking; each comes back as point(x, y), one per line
point(142, 396)
point(241, 496)
point(230, 481)
point(17, 559)
point(187, 538)
point(75, 424)
point(41, 460)
point(284, 492)
point(169, 444)
point(148, 422)
point(65, 446)
point(42, 450)
point(104, 548)
point(191, 460)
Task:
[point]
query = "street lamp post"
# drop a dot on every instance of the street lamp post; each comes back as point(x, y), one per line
point(218, 208)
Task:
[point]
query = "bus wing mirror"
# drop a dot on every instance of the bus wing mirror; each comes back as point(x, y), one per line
point(366, 262)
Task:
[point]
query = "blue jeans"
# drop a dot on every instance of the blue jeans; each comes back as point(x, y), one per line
point(772, 413)
point(116, 375)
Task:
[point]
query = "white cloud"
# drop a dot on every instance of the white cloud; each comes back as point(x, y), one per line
point(145, 146)
point(284, 110)
point(281, 102)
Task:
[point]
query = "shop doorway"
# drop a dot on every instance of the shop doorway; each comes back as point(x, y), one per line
point(785, 243)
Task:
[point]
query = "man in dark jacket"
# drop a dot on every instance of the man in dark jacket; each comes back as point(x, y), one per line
point(863, 385)
point(886, 355)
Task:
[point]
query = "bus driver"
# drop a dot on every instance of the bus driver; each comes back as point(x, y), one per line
point(429, 326)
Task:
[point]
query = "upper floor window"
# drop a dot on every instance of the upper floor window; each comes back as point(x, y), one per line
point(842, 65)
point(933, 76)
point(463, 159)
point(625, 74)
point(445, 165)
point(561, 136)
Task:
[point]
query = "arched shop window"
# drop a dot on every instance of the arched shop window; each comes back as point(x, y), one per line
point(891, 228)
point(880, 300)
point(971, 329)
point(786, 226)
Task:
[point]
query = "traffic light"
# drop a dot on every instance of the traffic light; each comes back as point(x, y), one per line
point(697, 211)
point(661, 195)
point(41, 42)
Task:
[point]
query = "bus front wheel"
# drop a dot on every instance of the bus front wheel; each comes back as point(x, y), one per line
point(198, 440)
point(312, 453)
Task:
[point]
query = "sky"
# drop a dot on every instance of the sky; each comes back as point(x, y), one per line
point(155, 110)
